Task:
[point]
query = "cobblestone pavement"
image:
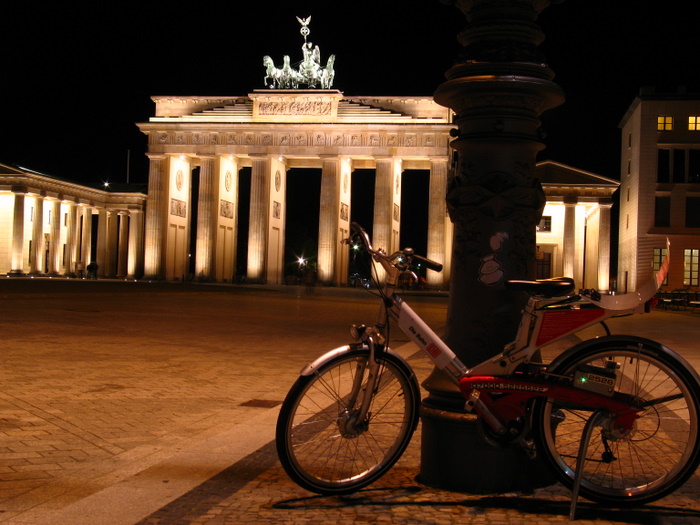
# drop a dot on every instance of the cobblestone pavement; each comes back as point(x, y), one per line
point(141, 403)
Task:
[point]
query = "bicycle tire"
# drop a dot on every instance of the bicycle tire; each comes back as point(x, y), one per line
point(661, 452)
point(311, 444)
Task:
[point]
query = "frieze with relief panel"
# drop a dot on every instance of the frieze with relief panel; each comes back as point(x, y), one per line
point(295, 139)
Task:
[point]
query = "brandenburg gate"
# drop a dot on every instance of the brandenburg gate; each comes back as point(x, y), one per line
point(271, 131)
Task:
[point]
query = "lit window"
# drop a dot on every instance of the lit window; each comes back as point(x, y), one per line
point(545, 224)
point(694, 123)
point(659, 255)
point(664, 123)
point(690, 267)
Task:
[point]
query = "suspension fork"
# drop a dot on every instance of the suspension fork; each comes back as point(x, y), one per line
point(365, 394)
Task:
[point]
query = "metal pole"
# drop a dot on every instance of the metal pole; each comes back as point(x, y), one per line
point(498, 88)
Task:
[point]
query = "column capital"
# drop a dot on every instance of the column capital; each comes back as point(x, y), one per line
point(157, 156)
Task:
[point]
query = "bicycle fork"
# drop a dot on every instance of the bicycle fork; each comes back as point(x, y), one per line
point(354, 419)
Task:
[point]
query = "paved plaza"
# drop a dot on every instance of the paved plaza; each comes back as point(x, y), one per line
point(146, 403)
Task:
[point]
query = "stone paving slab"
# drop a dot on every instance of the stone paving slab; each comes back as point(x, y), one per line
point(128, 403)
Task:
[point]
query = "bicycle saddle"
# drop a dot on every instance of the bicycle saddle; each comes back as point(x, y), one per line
point(554, 287)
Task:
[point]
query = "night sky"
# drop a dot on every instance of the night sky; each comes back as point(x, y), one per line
point(76, 79)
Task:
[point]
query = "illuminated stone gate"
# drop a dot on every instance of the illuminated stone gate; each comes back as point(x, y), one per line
point(272, 131)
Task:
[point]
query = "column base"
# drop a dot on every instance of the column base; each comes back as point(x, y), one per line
point(16, 273)
point(455, 457)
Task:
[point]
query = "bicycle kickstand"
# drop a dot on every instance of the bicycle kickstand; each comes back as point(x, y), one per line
point(592, 422)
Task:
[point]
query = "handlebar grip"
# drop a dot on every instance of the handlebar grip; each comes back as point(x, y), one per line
point(431, 265)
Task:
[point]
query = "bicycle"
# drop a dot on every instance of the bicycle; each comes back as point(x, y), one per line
point(616, 418)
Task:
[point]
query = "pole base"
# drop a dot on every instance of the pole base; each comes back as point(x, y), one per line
point(455, 457)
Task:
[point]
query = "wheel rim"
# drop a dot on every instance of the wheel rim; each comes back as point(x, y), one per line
point(328, 445)
point(653, 455)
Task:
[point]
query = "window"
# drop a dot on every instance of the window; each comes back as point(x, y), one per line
point(662, 212)
point(690, 267)
point(664, 123)
point(679, 165)
point(694, 165)
point(658, 258)
point(663, 165)
point(692, 212)
point(694, 123)
point(545, 224)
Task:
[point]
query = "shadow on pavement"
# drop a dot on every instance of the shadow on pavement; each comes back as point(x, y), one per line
point(416, 496)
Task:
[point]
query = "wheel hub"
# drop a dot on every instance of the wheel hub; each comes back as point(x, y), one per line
point(350, 425)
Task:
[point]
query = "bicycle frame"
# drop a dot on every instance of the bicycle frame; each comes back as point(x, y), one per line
point(544, 320)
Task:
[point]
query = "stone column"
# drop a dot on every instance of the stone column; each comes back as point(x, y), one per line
point(259, 218)
point(18, 233)
point(328, 220)
point(156, 208)
point(437, 210)
point(71, 236)
point(86, 255)
point(226, 222)
point(498, 88)
point(569, 241)
point(101, 257)
point(112, 245)
point(206, 216)
point(135, 260)
point(123, 244)
point(604, 233)
point(55, 238)
point(387, 199)
point(38, 236)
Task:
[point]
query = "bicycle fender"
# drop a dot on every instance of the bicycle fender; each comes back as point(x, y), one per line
point(622, 340)
point(332, 354)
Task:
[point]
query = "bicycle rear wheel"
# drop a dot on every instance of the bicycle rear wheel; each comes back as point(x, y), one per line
point(320, 445)
point(657, 456)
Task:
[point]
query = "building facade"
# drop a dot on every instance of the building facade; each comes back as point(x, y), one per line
point(575, 234)
point(54, 227)
point(270, 132)
point(660, 189)
point(189, 225)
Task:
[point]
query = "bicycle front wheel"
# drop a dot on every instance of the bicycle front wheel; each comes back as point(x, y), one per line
point(657, 456)
point(320, 443)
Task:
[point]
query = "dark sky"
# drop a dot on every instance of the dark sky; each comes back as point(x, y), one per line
point(76, 79)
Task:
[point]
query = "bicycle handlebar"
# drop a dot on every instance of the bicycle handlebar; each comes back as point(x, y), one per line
point(359, 232)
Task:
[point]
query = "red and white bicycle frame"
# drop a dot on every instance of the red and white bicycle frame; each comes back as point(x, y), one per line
point(544, 321)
